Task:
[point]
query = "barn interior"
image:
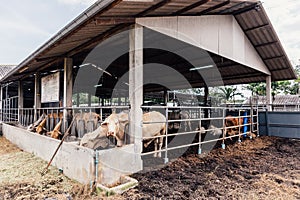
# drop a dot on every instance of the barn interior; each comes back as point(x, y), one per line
point(96, 45)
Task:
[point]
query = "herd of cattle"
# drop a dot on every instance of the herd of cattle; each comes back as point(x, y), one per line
point(94, 134)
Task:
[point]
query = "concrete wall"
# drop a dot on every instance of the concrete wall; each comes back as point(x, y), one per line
point(77, 162)
point(281, 124)
point(116, 162)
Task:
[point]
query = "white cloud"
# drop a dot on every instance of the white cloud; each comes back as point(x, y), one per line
point(76, 2)
point(285, 18)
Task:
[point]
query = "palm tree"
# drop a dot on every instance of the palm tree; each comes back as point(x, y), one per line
point(229, 93)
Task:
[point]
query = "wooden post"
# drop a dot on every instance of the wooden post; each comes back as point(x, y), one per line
point(166, 96)
point(20, 99)
point(206, 93)
point(89, 99)
point(78, 99)
point(136, 85)
point(269, 93)
point(68, 89)
point(37, 94)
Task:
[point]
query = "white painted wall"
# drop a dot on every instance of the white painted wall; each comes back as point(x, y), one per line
point(221, 35)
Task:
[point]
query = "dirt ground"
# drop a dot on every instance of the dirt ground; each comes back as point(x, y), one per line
point(263, 168)
point(20, 178)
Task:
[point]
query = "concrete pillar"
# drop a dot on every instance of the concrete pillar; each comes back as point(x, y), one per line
point(37, 94)
point(68, 88)
point(136, 85)
point(269, 93)
point(20, 100)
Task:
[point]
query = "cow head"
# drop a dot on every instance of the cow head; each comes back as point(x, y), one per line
point(115, 125)
point(112, 125)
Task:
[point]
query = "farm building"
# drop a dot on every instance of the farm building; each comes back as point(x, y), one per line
point(117, 54)
point(279, 102)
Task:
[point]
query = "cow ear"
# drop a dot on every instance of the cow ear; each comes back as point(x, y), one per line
point(104, 123)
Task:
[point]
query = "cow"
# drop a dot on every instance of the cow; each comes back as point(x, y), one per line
point(55, 115)
point(232, 123)
point(184, 115)
point(212, 130)
point(32, 127)
point(85, 122)
point(40, 129)
point(116, 124)
point(56, 134)
point(96, 139)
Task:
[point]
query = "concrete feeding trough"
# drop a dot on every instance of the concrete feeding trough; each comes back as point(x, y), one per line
point(125, 183)
point(107, 167)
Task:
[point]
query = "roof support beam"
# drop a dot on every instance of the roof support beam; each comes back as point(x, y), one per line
point(271, 58)
point(228, 10)
point(257, 27)
point(213, 8)
point(114, 20)
point(265, 44)
point(278, 70)
point(96, 39)
point(246, 9)
point(152, 8)
point(41, 59)
point(190, 7)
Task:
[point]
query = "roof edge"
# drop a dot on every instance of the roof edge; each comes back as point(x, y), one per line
point(79, 20)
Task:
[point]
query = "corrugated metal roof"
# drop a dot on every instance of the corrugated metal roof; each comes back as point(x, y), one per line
point(106, 17)
point(5, 69)
point(278, 100)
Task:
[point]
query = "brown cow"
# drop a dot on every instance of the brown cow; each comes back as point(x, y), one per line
point(56, 131)
point(32, 127)
point(231, 121)
point(40, 129)
point(116, 123)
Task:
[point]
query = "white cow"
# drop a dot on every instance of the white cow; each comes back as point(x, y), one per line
point(116, 124)
point(95, 139)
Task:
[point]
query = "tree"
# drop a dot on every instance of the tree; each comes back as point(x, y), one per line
point(278, 87)
point(229, 93)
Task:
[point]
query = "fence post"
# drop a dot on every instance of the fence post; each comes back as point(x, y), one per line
point(267, 123)
point(200, 134)
point(239, 140)
point(166, 159)
point(224, 128)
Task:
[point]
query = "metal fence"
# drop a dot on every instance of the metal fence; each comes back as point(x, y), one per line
point(214, 123)
point(9, 111)
point(84, 117)
point(279, 123)
point(192, 125)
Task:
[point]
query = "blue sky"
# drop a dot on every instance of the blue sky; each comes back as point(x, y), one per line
point(27, 24)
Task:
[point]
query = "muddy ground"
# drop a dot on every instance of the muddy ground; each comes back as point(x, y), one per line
point(263, 168)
